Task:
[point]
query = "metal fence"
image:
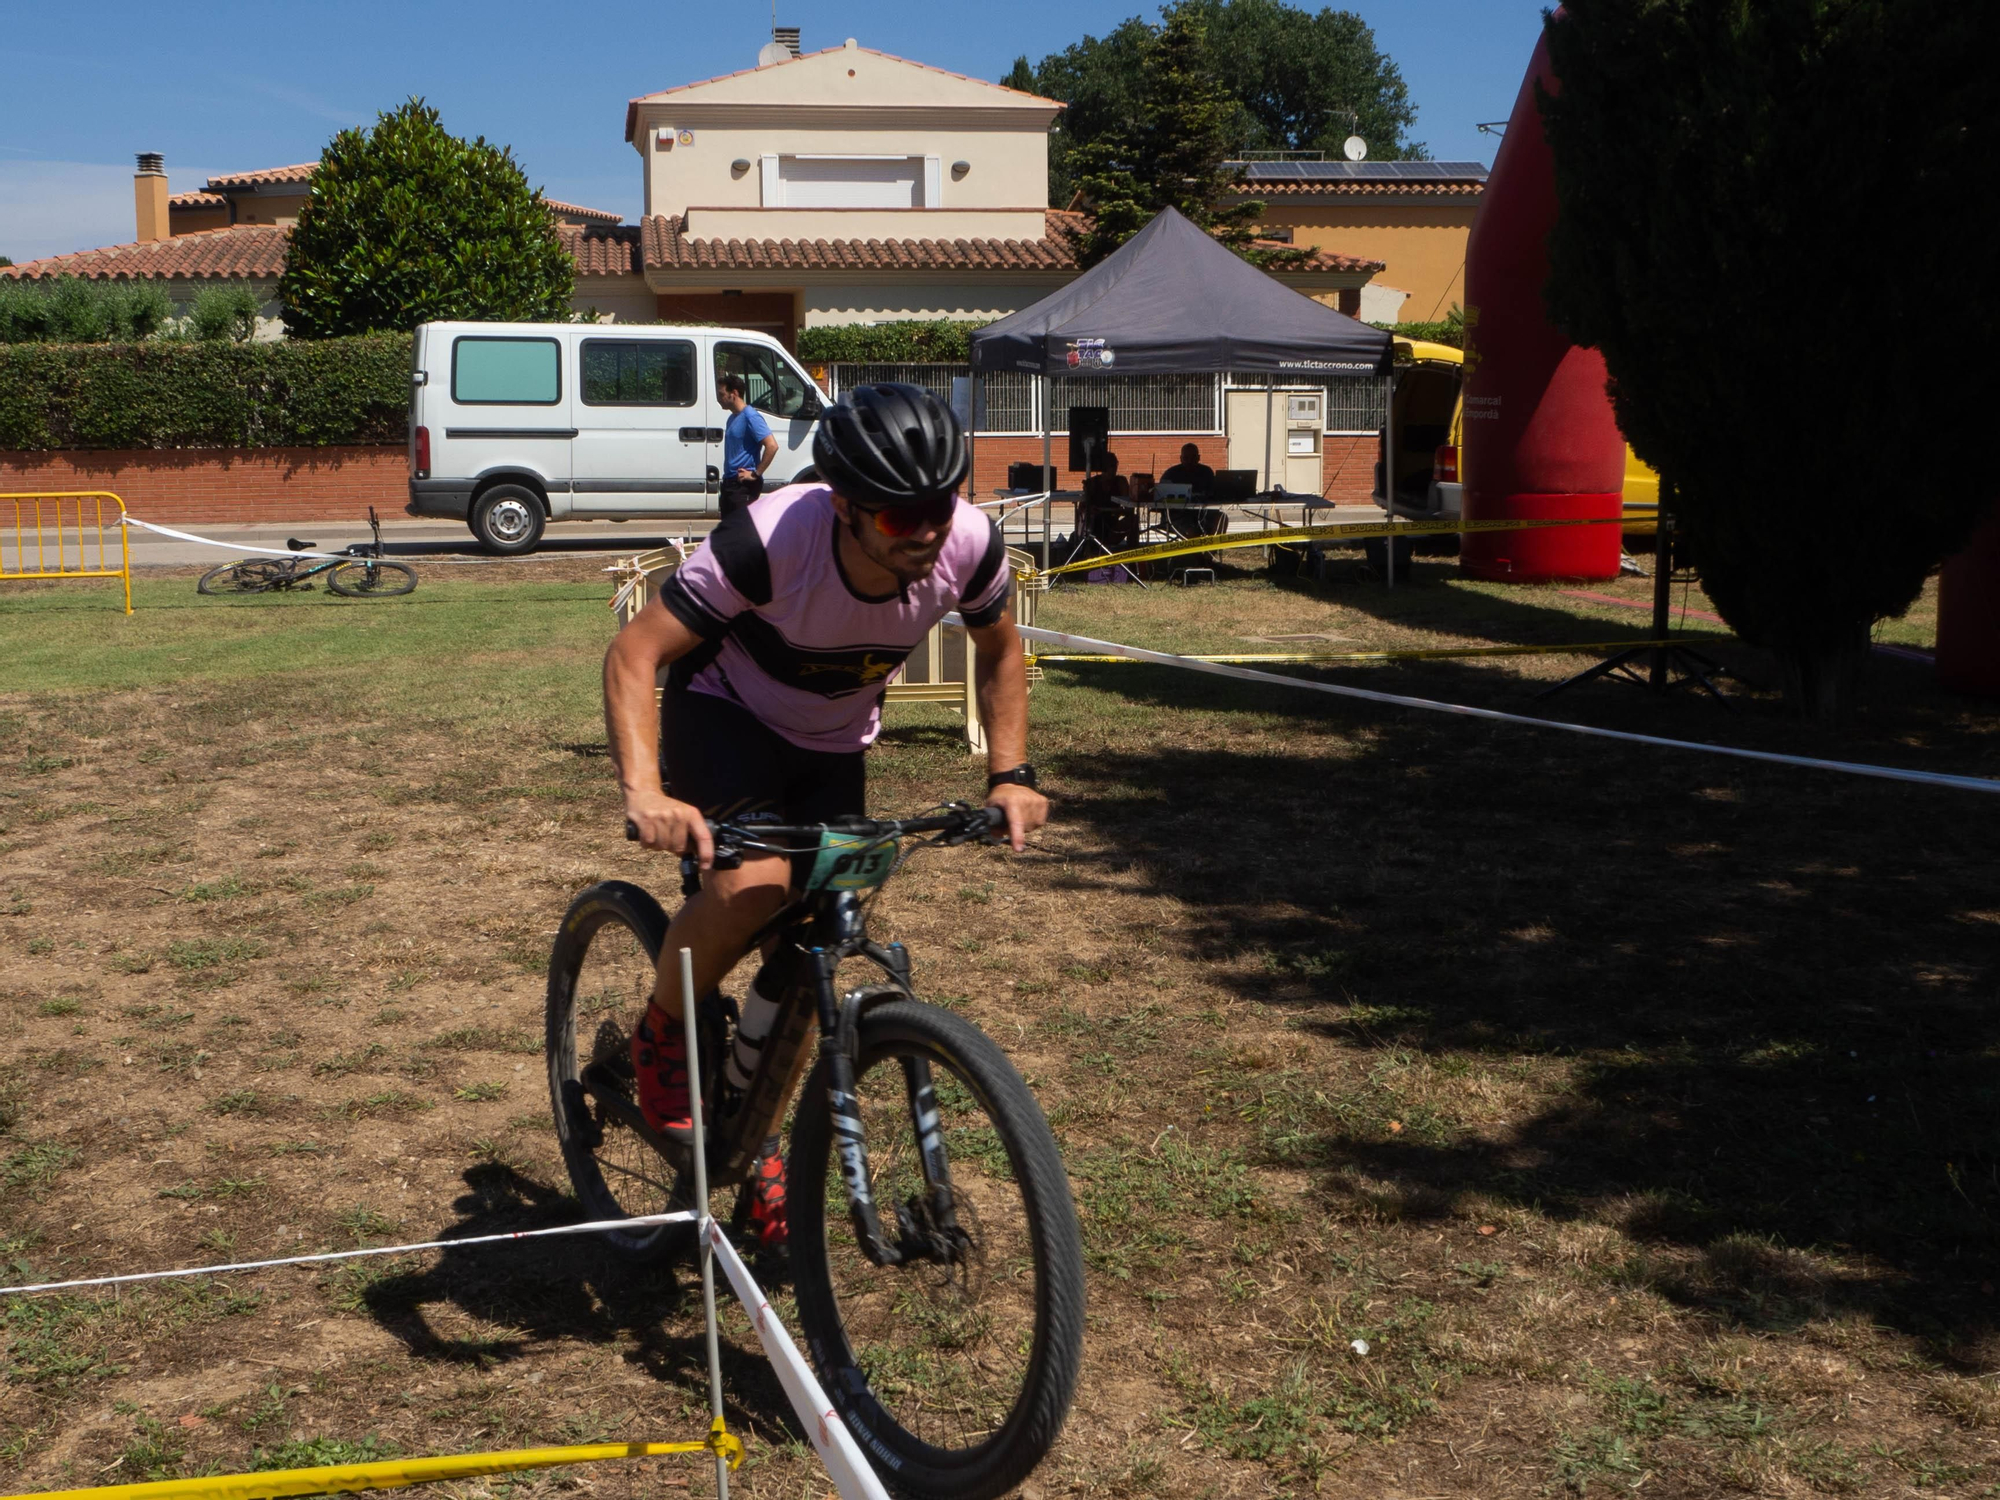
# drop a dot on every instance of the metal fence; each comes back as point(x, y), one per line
point(1011, 402)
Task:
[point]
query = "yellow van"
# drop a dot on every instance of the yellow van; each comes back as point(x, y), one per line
point(1430, 418)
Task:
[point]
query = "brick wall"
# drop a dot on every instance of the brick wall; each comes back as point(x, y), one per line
point(1347, 464)
point(222, 485)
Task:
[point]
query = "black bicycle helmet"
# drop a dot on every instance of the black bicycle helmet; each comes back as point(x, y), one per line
point(891, 445)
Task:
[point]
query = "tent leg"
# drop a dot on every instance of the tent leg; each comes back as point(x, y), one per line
point(1048, 505)
point(1389, 475)
point(1269, 401)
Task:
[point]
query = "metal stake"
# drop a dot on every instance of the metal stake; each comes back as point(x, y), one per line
point(703, 1225)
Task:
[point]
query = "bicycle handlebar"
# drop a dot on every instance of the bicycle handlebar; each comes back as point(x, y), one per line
point(959, 825)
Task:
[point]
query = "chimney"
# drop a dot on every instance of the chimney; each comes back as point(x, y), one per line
point(149, 197)
point(786, 37)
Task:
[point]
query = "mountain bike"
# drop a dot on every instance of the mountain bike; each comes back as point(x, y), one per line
point(934, 1246)
point(359, 573)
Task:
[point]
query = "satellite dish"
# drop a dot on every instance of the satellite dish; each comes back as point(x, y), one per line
point(1354, 148)
point(773, 52)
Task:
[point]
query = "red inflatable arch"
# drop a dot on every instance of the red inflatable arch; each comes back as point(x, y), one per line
point(1540, 441)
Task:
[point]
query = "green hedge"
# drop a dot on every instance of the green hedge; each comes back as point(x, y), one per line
point(304, 394)
point(1444, 331)
point(910, 342)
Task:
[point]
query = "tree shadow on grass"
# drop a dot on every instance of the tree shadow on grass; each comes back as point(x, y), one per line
point(566, 1289)
point(1772, 991)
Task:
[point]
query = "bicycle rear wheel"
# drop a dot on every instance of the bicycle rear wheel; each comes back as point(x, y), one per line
point(601, 974)
point(248, 577)
point(955, 1372)
point(372, 579)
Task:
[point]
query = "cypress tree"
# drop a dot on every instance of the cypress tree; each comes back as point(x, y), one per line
point(1762, 219)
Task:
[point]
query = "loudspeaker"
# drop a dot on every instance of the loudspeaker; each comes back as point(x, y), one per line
point(1088, 426)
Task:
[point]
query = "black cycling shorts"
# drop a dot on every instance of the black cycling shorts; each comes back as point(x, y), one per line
point(722, 758)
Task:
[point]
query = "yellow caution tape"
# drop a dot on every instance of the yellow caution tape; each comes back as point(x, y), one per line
point(1424, 653)
point(1342, 531)
point(389, 1474)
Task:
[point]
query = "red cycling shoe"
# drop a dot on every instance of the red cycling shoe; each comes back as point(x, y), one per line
point(659, 1058)
point(767, 1201)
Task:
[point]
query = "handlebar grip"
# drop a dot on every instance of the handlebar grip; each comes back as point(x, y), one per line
point(995, 818)
point(631, 830)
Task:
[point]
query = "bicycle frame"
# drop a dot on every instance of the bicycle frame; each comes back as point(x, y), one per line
point(816, 933)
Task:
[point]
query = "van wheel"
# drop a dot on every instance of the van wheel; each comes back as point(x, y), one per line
point(508, 520)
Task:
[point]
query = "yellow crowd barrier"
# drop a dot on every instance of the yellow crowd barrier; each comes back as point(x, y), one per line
point(1342, 531)
point(392, 1473)
point(55, 535)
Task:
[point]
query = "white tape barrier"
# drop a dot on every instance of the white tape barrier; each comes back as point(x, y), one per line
point(209, 541)
point(1166, 659)
point(595, 1226)
point(427, 560)
point(837, 1449)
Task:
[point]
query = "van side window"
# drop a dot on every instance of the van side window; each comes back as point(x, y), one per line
point(774, 387)
point(505, 372)
point(638, 372)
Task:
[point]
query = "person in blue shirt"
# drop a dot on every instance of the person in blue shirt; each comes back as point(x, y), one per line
point(747, 445)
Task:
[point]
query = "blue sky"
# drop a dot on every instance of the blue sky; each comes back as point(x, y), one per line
point(233, 86)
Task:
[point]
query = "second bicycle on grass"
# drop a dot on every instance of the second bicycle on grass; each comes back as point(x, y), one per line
point(934, 1246)
point(359, 572)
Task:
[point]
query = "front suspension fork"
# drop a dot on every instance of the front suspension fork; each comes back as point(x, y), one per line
point(837, 1047)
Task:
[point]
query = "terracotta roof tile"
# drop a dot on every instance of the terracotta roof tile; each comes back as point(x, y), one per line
point(666, 246)
point(682, 88)
point(301, 172)
point(197, 200)
point(602, 249)
point(243, 250)
point(578, 211)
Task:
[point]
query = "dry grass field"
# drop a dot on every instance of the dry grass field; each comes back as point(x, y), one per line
point(1635, 1110)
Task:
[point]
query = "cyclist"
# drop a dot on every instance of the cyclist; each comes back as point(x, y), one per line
point(778, 637)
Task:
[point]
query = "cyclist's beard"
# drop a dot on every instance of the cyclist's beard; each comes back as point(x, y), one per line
point(910, 561)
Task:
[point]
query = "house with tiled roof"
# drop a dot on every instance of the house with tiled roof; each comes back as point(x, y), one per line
point(839, 186)
point(1413, 216)
point(234, 230)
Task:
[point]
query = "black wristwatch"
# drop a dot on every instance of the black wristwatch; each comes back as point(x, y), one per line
point(1021, 775)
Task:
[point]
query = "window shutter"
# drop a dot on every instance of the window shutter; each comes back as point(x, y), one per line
point(933, 182)
point(774, 188)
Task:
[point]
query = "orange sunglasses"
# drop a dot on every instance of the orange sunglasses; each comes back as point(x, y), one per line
point(908, 520)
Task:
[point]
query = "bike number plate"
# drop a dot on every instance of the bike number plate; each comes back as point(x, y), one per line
point(847, 863)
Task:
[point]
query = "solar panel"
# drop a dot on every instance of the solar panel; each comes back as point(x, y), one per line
point(1363, 171)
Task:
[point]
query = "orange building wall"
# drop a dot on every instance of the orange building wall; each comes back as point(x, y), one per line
point(1422, 244)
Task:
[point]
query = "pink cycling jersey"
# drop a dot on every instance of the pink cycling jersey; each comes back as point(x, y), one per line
point(788, 637)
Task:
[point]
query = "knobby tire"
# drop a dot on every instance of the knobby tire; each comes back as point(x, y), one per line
point(1033, 1186)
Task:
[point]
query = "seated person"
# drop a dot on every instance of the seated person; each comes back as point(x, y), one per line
point(1107, 483)
point(1191, 471)
point(1106, 511)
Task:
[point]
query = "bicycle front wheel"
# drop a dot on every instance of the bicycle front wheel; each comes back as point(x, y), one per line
point(601, 973)
point(955, 1369)
point(251, 577)
point(372, 580)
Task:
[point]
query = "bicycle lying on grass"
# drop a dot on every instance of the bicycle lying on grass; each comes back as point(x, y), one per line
point(359, 573)
point(934, 1247)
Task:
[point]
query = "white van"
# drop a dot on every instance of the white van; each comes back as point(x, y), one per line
point(514, 425)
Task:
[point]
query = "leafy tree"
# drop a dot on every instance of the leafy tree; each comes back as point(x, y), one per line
point(1307, 80)
point(1300, 80)
point(8, 260)
point(1722, 169)
point(407, 224)
point(1170, 152)
point(1021, 76)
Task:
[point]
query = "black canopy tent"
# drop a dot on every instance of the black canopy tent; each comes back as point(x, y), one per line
point(1175, 300)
